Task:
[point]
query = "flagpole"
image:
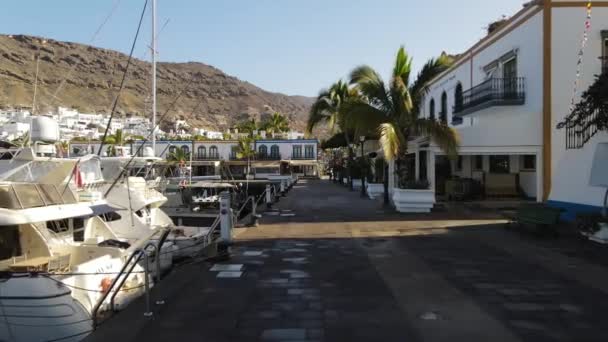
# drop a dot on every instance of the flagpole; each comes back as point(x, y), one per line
point(154, 52)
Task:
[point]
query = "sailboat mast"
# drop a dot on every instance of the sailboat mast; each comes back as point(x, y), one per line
point(154, 52)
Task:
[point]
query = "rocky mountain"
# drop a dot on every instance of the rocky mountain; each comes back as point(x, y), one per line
point(88, 78)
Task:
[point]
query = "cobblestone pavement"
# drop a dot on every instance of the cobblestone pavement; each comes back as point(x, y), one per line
point(327, 265)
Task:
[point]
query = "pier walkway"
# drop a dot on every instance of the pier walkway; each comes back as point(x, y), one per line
point(331, 266)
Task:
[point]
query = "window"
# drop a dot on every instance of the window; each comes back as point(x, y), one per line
point(109, 217)
point(443, 115)
point(263, 151)
point(478, 163)
point(432, 109)
point(172, 149)
point(58, 226)
point(78, 229)
point(499, 164)
point(528, 162)
point(605, 51)
point(186, 149)
point(458, 101)
point(274, 151)
point(213, 152)
point(309, 151)
point(202, 152)
point(459, 164)
point(10, 245)
point(297, 151)
point(233, 151)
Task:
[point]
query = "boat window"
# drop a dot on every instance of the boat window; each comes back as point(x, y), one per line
point(28, 195)
point(78, 224)
point(58, 226)
point(111, 216)
point(8, 198)
point(10, 245)
point(51, 194)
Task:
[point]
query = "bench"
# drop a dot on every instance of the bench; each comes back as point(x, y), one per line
point(542, 218)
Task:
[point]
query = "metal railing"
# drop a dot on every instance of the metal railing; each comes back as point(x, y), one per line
point(207, 157)
point(124, 273)
point(268, 157)
point(577, 135)
point(495, 91)
point(303, 157)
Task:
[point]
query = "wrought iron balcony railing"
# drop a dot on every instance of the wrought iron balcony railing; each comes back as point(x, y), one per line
point(493, 92)
point(207, 157)
point(302, 157)
point(578, 134)
point(268, 157)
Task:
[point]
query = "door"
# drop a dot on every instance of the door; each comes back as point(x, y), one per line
point(509, 74)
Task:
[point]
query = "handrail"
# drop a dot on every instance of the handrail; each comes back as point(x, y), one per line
point(105, 295)
point(137, 252)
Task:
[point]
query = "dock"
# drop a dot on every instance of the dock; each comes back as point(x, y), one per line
point(327, 265)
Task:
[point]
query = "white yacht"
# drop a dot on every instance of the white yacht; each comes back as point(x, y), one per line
point(56, 268)
point(136, 190)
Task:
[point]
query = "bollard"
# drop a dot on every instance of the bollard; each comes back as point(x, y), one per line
point(148, 312)
point(283, 187)
point(268, 197)
point(254, 214)
point(225, 218)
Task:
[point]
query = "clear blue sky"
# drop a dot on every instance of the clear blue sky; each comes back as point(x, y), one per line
point(288, 46)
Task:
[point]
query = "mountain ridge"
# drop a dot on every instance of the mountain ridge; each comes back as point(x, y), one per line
point(214, 99)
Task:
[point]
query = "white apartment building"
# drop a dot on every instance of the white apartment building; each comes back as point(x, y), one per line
point(505, 96)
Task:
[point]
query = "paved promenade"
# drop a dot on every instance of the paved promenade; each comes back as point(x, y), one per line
point(328, 265)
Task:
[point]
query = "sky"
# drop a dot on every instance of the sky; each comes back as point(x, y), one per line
point(288, 46)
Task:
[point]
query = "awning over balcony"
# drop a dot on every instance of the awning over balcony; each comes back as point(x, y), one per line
point(303, 162)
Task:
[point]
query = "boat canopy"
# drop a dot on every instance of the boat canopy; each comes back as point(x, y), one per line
point(32, 195)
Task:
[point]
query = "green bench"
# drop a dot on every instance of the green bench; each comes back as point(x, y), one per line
point(541, 218)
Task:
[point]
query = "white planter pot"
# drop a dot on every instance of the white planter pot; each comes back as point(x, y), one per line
point(413, 201)
point(375, 190)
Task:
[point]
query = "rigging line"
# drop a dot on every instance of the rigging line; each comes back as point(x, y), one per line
point(142, 144)
point(145, 55)
point(124, 77)
point(95, 34)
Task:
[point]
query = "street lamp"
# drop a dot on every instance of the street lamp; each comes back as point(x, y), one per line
point(363, 171)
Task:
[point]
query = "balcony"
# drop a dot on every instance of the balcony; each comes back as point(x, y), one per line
point(303, 157)
point(490, 93)
point(207, 157)
point(268, 157)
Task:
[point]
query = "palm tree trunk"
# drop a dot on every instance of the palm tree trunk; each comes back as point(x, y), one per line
point(349, 170)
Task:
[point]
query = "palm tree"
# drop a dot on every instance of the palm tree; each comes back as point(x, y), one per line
point(178, 156)
point(392, 110)
point(245, 151)
point(247, 126)
point(328, 109)
point(277, 123)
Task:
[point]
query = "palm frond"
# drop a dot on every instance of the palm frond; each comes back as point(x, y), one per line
point(392, 140)
point(371, 86)
point(444, 136)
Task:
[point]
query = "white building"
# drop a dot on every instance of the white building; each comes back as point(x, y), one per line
point(506, 94)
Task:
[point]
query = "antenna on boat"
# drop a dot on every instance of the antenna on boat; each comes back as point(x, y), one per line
point(154, 52)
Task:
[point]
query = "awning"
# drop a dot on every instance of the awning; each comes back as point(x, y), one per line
point(303, 162)
point(205, 163)
point(236, 162)
point(267, 163)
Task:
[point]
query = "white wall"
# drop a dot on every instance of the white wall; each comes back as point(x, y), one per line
point(500, 125)
point(571, 168)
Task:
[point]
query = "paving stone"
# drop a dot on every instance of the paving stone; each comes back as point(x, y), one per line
point(571, 308)
point(269, 314)
point(295, 292)
point(311, 323)
point(315, 333)
point(529, 325)
point(524, 306)
point(310, 314)
point(284, 334)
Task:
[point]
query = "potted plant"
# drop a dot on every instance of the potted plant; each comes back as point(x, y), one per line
point(412, 196)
